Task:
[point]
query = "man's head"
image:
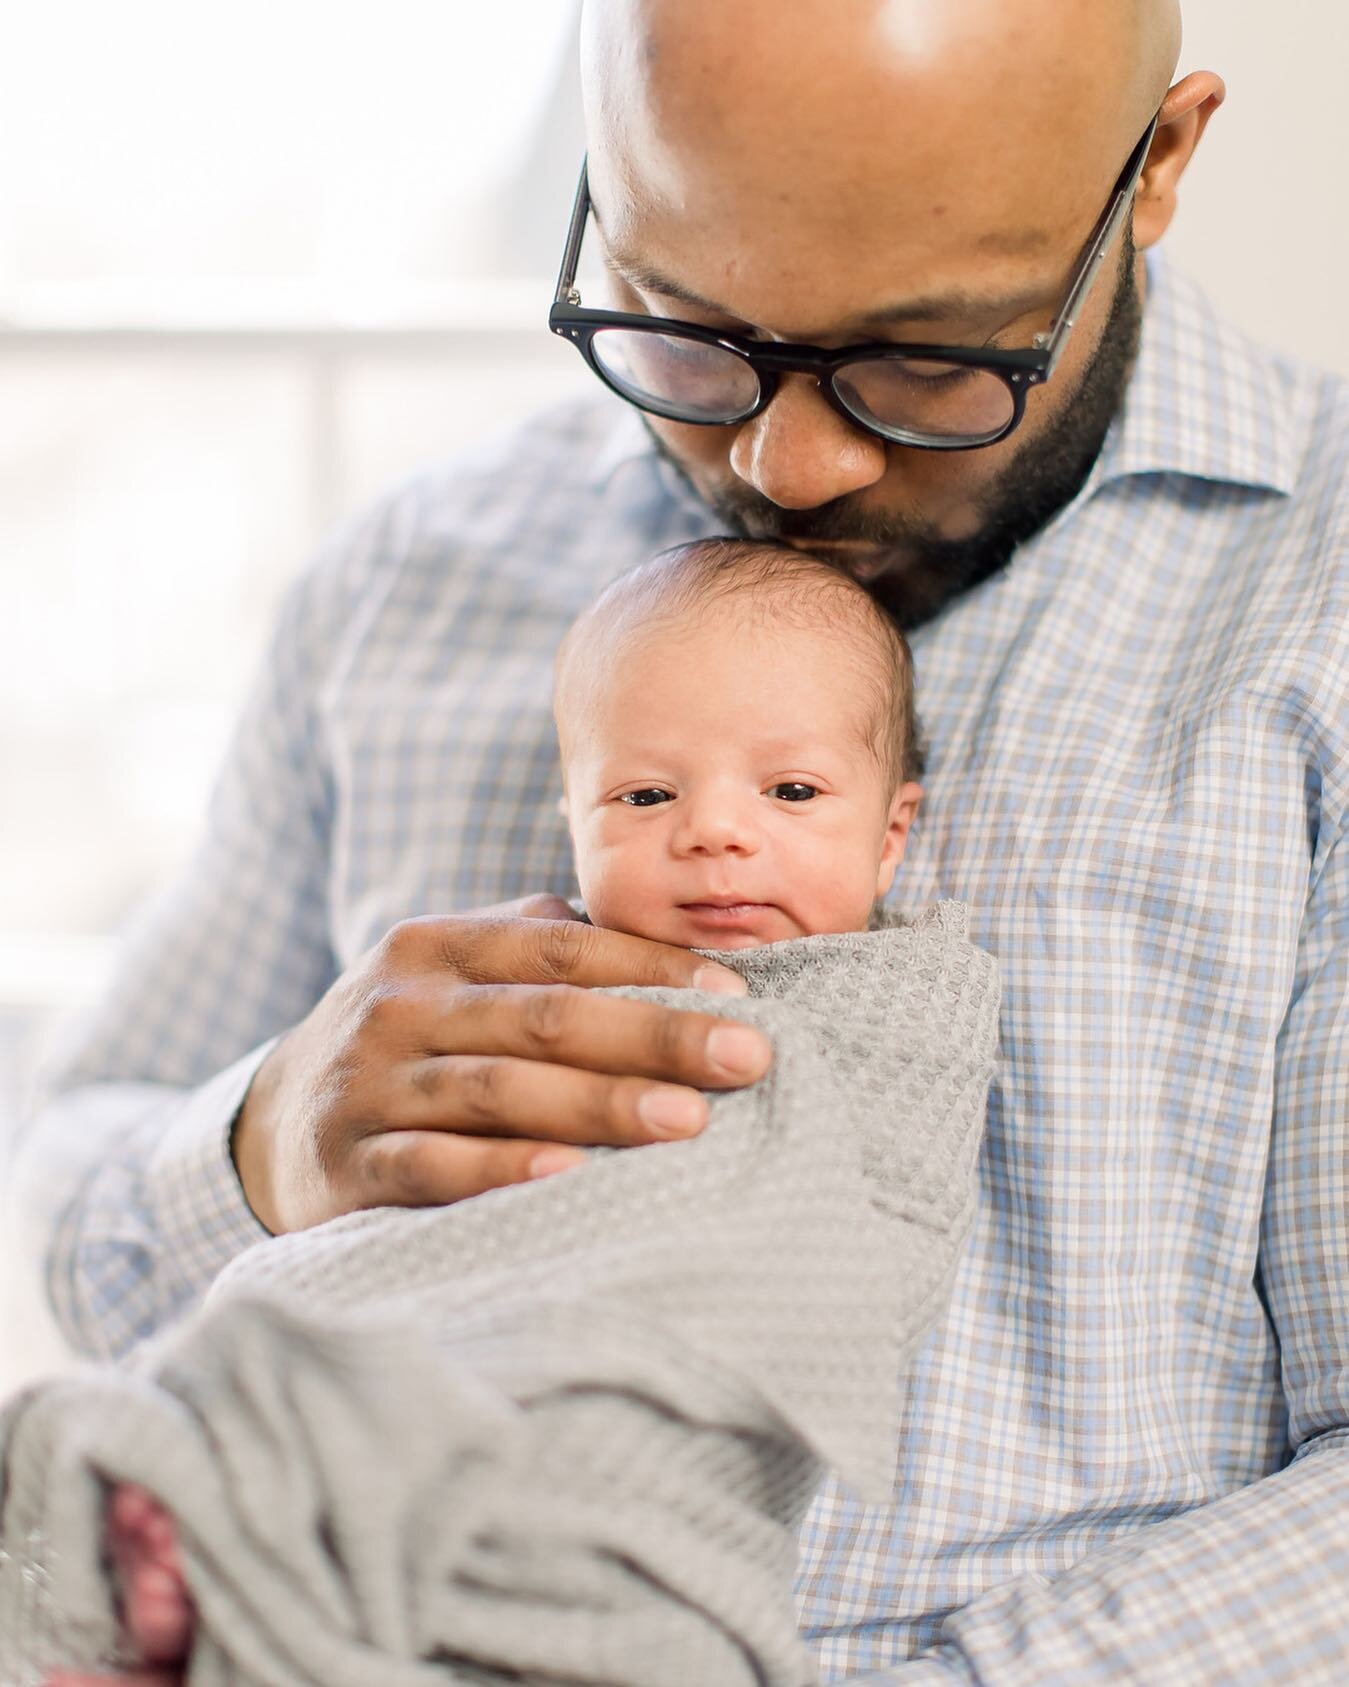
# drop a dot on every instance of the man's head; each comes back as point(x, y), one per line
point(917, 170)
point(740, 750)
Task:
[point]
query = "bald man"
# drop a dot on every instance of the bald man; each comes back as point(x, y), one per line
point(882, 281)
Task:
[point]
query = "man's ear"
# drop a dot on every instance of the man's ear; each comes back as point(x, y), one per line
point(903, 807)
point(1182, 120)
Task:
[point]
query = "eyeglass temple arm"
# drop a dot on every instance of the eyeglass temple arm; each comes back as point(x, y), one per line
point(566, 293)
point(1099, 243)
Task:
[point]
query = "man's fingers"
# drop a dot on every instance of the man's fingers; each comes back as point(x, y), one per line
point(437, 1168)
point(541, 906)
point(494, 950)
point(567, 1026)
point(137, 1678)
point(486, 1095)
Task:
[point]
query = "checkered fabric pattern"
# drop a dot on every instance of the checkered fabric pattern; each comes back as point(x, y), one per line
point(1126, 1452)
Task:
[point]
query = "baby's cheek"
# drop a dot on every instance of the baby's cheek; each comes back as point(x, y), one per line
point(622, 886)
point(836, 880)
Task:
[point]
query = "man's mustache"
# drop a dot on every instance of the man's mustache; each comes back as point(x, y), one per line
point(757, 518)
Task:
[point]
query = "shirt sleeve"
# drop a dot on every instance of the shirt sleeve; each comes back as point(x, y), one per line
point(123, 1193)
point(1252, 1587)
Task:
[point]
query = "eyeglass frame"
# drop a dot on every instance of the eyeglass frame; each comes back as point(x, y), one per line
point(1019, 368)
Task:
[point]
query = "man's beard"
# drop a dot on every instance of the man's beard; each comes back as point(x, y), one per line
point(913, 572)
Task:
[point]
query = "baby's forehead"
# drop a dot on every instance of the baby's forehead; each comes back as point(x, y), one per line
point(764, 675)
point(763, 622)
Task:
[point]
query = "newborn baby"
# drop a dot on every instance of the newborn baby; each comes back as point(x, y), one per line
point(739, 748)
point(739, 753)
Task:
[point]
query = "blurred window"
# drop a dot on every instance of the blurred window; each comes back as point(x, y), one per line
point(256, 261)
point(274, 157)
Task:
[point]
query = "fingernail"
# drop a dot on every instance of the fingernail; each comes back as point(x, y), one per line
point(719, 979)
point(737, 1050)
point(672, 1112)
point(550, 1160)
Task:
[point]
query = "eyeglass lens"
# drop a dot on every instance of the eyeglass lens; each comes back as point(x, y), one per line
point(680, 377)
point(905, 397)
point(922, 398)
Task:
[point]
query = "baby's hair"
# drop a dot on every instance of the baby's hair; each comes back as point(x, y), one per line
point(690, 580)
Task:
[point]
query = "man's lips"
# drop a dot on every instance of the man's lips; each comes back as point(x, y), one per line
point(862, 558)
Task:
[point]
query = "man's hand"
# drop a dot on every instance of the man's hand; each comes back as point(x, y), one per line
point(466, 1052)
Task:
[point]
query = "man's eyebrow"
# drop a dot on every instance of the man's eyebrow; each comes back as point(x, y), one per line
point(953, 304)
point(644, 279)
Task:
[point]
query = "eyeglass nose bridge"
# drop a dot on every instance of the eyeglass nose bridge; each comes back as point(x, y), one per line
point(790, 360)
point(770, 363)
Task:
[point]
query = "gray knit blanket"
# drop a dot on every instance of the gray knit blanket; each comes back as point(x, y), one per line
point(565, 1432)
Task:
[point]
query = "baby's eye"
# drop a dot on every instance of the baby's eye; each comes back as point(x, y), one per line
point(647, 798)
point(792, 790)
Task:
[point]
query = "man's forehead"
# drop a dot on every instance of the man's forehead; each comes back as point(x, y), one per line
point(993, 300)
point(817, 67)
point(799, 278)
point(929, 146)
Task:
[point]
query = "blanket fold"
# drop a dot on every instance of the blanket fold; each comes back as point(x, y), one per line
point(565, 1432)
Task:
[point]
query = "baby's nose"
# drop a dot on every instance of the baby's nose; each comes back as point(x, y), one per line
point(721, 826)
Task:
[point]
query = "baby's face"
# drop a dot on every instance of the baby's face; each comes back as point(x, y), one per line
point(720, 791)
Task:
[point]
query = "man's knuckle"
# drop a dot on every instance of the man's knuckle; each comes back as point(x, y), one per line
point(376, 1014)
point(426, 1079)
point(616, 1110)
point(478, 1089)
point(554, 949)
point(546, 1015)
point(675, 1040)
point(381, 1006)
point(463, 947)
point(404, 1159)
point(543, 905)
point(405, 938)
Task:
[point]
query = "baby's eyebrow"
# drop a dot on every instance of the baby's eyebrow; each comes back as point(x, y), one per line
point(789, 751)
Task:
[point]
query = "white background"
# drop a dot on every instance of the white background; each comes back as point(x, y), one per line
point(256, 262)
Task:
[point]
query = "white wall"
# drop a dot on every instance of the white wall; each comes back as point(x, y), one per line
point(1263, 210)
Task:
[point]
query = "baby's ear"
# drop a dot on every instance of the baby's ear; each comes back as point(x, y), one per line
point(903, 807)
point(562, 806)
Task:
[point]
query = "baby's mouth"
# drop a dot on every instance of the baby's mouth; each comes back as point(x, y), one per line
point(724, 910)
point(731, 900)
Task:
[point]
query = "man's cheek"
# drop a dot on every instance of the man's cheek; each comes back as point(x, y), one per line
point(703, 453)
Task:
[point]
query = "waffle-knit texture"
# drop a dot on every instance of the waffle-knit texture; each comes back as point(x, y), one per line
point(566, 1431)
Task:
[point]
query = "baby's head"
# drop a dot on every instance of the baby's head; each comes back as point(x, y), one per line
point(739, 745)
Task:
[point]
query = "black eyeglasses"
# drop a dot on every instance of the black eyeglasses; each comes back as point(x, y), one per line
point(938, 398)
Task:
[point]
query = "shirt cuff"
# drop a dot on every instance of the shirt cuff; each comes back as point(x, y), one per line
point(202, 1216)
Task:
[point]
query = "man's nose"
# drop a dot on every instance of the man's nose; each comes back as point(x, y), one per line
point(800, 453)
point(721, 824)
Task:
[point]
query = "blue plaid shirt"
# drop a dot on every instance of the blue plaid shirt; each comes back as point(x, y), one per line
point(1126, 1454)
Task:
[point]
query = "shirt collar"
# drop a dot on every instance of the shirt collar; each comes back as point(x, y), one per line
point(1202, 400)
